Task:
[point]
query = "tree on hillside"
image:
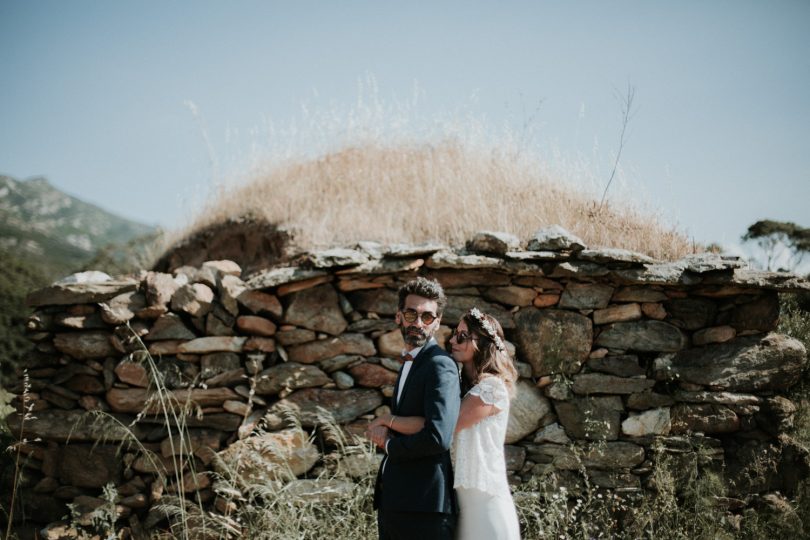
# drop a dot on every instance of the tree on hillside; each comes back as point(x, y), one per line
point(783, 243)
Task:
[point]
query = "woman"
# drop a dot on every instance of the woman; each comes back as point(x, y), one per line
point(485, 502)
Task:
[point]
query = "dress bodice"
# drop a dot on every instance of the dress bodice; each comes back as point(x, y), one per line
point(478, 454)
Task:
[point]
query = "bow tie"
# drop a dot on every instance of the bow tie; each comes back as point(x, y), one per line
point(405, 358)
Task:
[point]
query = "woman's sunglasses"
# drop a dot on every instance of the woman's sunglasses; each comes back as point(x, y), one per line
point(411, 315)
point(462, 337)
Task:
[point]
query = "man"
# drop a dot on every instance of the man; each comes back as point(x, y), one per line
point(414, 494)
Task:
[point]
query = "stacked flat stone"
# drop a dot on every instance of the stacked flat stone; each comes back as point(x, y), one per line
point(622, 359)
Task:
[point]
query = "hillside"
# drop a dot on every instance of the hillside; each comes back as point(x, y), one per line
point(56, 232)
point(45, 235)
point(424, 192)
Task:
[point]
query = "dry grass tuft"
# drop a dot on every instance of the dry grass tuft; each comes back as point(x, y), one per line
point(432, 192)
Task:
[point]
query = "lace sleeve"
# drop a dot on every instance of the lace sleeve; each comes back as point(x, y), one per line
point(492, 391)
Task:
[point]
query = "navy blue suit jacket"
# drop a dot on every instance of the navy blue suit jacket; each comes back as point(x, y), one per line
point(417, 473)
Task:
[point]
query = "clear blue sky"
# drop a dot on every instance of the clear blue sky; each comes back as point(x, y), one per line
point(92, 92)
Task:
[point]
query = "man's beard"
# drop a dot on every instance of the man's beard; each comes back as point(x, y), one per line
point(414, 336)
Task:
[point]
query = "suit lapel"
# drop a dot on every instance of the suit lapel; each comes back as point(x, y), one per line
point(418, 363)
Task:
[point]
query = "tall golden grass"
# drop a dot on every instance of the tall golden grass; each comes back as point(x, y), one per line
point(443, 192)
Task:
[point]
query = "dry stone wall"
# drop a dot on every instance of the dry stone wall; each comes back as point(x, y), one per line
point(622, 360)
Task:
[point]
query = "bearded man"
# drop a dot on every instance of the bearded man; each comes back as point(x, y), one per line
point(414, 494)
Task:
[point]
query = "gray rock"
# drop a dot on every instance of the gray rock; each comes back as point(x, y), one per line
point(318, 309)
point(553, 341)
point(343, 380)
point(169, 326)
point(746, 364)
point(645, 336)
point(63, 294)
point(337, 257)
point(638, 294)
point(269, 456)
point(621, 366)
point(315, 351)
point(511, 295)
point(761, 314)
point(704, 418)
point(195, 299)
point(554, 238)
point(382, 301)
point(528, 408)
point(290, 376)
point(649, 400)
point(586, 296)
point(593, 418)
point(281, 276)
point(75, 425)
point(496, 243)
point(343, 405)
point(216, 363)
point(84, 345)
point(690, 313)
point(89, 466)
point(553, 433)
point(212, 344)
point(515, 457)
point(449, 259)
point(341, 361)
point(651, 422)
point(578, 270)
point(122, 308)
point(607, 255)
point(598, 383)
point(408, 250)
point(617, 313)
point(295, 336)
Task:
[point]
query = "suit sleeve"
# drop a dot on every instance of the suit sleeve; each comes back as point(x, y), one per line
point(442, 402)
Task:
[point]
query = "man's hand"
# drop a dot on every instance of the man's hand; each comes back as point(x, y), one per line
point(378, 435)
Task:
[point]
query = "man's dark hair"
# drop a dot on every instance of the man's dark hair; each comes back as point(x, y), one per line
point(426, 288)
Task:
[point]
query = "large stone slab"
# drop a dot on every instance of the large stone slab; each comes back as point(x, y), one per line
point(195, 299)
point(372, 375)
point(318, 309)
point(64, 294)
point(705, 418)
point(381, 301)
point(554, 238)
point(85, 345)
point(621, 366)
point(644, 336)
point(78, 426)
point(315, 351)
point(690, 313)
point(526, 412)
point(169, 326)
point(89, 466)
point(746, 364)
point(205, 345)
point(343, 405)
point(291, 376)
point(598, 383)
point(136, 400)
point(761, 314)
point(511, 295)
point(593, 418)
point(586, 296)
point(553, 341)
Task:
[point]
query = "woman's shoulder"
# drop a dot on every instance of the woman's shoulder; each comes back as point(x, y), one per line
point(491, 389)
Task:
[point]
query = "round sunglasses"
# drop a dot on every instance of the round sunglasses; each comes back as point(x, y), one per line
point(410, 316)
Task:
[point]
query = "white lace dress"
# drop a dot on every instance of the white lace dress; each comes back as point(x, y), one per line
point(486, 509)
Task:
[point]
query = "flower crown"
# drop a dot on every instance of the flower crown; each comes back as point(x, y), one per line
point(476, 314)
